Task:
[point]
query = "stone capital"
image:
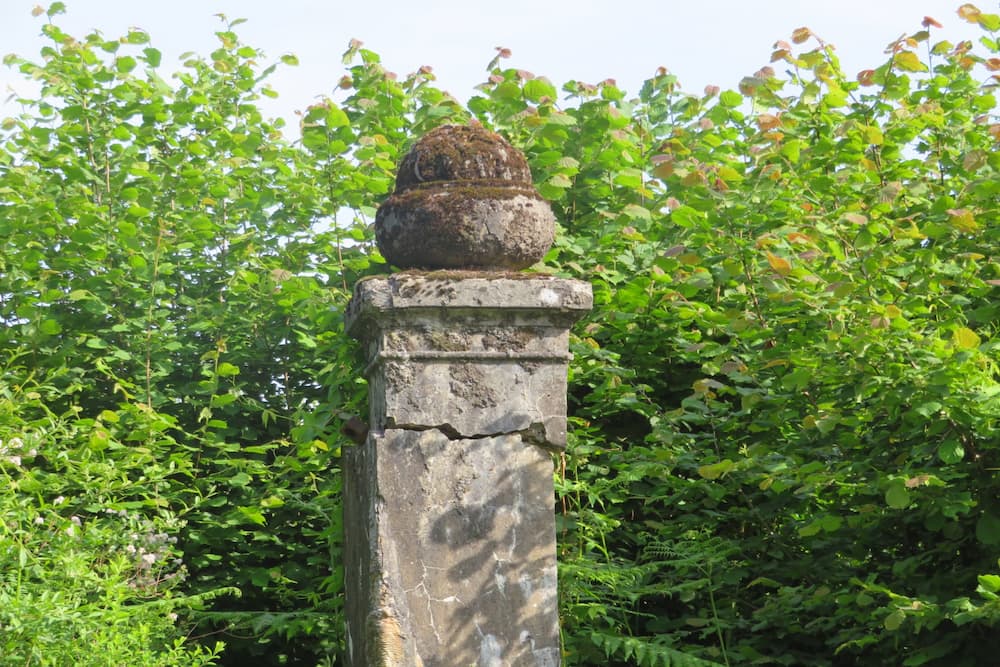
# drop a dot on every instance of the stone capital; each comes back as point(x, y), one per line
point(471, 354)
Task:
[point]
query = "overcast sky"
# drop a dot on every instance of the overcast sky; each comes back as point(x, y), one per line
point(701, 41)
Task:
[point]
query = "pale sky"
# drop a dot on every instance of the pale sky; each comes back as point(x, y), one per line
point(701, 41)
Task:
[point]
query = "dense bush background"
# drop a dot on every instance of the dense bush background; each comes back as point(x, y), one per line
point(785, 442)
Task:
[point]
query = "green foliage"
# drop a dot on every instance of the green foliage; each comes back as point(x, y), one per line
point(784, 443)
point(787, 399)
point(93, 577)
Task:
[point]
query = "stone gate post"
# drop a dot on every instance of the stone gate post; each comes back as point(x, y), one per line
point(449, 524)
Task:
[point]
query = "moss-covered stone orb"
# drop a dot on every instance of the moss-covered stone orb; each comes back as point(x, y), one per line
point(464, 200)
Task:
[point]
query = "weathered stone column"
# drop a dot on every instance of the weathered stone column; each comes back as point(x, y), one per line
point(450, 535)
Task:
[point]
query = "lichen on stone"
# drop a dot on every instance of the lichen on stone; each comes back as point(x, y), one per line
point(462, 153)
point(464, 200)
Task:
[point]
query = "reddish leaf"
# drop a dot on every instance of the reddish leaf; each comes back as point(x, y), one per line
point(748, 86)
point(768, 121)
point(779, 264)
point(800, 35)
point(969, 12)
point(677, 250)
point(929, 22)
point(664, 170)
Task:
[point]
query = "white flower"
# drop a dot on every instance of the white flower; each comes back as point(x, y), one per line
point(16, 460)
point(59, 500)
point(15, 443)
point(39, 520)
point(149, 559)
point(172, 616)
point(75, 519)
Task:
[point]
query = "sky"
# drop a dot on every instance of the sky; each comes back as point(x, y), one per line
point(702, 42)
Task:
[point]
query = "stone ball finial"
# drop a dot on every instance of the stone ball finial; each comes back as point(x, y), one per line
point(464, 200)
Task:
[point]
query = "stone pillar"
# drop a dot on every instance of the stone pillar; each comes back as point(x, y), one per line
point(449, 524)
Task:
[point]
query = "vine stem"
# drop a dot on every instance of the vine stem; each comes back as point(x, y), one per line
point(715, 615)
point(149, 315)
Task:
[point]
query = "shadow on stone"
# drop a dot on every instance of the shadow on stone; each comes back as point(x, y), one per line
point(471, 561)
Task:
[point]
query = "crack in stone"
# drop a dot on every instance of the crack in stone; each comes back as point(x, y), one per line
point(422, 588)
point(533, 434)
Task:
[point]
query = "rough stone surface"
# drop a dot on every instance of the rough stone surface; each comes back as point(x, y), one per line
point(464, 199)
point(461, 563)
point(471, 357)
point(462, 153)
point(450, 536)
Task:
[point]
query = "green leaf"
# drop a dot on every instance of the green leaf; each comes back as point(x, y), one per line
point(928, 409)
point(894, 620)
point(836, 97)
point(990, 582)
point(990, 22)
point(50, 327)
point(951, 451)
point(560, 118)
point(240, 479)
point(908, 61)
point(966, 339)
point(716, 470)
point(290, 59)
point(537, 89)
point(988, 529)
point(153, 56)
point(685, 216)
point(730, 99)
point(560, 181)
point(897, 497)
point(226, 369)
point(125, 63)
point(810, 529)
point(253, 514)
point(335, 117)
point(637, 212)
point(791, 149)
point(137, 37)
